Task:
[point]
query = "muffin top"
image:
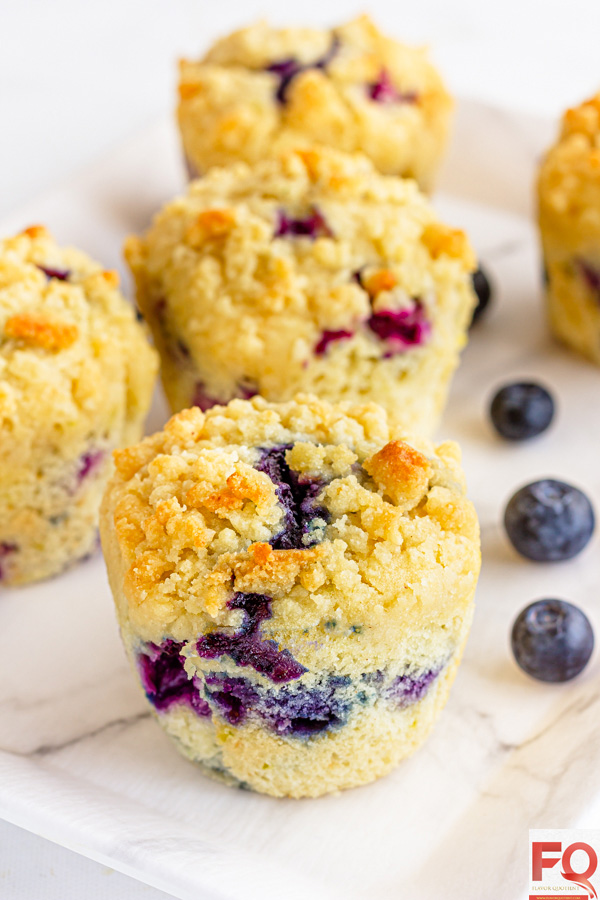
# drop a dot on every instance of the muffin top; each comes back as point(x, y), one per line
point(350, 88)
point(299, 252)
point(74, 363)
point(322, 509)
point(569, 181)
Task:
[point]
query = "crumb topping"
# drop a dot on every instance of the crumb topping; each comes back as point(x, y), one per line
point(196, 520)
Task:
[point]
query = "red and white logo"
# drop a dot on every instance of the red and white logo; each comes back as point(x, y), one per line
point(563, 863)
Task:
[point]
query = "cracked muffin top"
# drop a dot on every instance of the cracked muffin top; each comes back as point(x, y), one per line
point(73, 360)
point(325, 509)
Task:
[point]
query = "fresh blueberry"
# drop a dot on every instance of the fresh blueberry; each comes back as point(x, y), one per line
point(521, 410)
point(552, 640)
point(483, 289)
point(549, 521)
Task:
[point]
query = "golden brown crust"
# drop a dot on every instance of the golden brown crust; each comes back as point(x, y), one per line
point(192, 519)
point(239, 487)
point(210, 224)
point(40, 331)
point(36, 231)
point(443, 241)
point(401, 471)
point(381, 280)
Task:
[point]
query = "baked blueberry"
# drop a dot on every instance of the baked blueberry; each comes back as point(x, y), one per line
point(549, 521)
point(521, 410)
point(552, 640)
point(483, 289)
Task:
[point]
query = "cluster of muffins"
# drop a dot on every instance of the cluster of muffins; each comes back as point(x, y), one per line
point(293, 562)
point(293, 576)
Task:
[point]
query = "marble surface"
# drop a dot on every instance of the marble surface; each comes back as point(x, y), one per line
point(32, 868)
point(82, 763)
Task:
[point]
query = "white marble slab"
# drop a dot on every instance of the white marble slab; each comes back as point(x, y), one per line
point(82, 763)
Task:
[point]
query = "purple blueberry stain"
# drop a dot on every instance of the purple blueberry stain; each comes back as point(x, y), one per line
point(89, 463)
point(402, 328)
point(59, 274)
point(304, 518)
point(201, 398)
point(165, 680)
point(383, 90)
point(7, 548)
point(302, 711)
point(246, 646)
point(246, 390)
point(233, 697)
point(298, 711)
point(591, 276)
point(312, 226)
point(408, 689)
point(330, 337)
point(289, 68)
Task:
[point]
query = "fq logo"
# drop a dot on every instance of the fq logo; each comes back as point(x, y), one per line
point(563, 864)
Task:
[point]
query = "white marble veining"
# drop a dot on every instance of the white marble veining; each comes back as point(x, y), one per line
point(81, 761)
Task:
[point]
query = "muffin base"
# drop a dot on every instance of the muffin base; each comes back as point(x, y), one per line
point(412, 387)
point(573, 310)
point(373, 743)
point(50, 530)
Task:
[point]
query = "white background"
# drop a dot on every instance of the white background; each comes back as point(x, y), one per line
point(78, 77)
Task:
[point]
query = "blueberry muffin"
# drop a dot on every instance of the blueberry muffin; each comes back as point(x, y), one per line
point(76, 377)
point(261, 90)
point(569, 218)
point(310, 272)
point(294, 585)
